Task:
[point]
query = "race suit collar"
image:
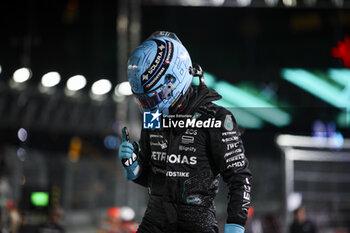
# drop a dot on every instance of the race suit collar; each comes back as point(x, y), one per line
point(198, 96)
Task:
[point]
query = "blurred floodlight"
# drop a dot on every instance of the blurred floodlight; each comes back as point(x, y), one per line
point(337, 140)
point(294, 201)
point(21, 154)
point(271, 2)
point(0, 69)
point(244, 2)
point(123, 89)
point(76, 83)
point(128, 214)
point(290, 3)
point(101, 87)
point(50, 79)
point(191, 2)
point(201, 2)
point(218, 2)
point(21, 75)
point(22, 134)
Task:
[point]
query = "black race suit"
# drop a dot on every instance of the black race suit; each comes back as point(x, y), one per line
point(182, 166)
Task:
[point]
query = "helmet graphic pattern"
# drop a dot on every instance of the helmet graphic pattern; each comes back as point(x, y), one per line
point(159, 73)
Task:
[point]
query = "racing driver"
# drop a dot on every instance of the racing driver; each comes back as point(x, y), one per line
point(181, 166)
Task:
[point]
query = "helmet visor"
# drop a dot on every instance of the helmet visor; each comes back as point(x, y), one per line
point(147, 102)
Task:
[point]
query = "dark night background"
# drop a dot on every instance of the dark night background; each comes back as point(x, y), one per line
point(236, 44)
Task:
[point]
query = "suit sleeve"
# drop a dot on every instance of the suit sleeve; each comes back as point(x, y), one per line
point(144, 159)
point(229, 158)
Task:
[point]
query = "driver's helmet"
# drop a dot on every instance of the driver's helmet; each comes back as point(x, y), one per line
point(159, 72)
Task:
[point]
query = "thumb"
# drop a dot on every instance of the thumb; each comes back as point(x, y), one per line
point(125, 135)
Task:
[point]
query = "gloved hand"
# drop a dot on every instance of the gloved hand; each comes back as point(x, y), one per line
point(128, 155)
point(233, 228)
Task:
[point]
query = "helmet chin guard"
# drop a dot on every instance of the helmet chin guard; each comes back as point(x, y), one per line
point(160, 72)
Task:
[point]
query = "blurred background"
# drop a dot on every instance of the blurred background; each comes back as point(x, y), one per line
point(282, 67)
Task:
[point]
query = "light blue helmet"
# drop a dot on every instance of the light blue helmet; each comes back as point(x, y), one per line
point(159, 72)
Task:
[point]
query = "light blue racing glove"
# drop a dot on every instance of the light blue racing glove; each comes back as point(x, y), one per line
point(128, 155)
point(233, 228)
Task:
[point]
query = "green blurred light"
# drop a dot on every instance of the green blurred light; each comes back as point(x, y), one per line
point(243, 118)
point(342, 76)
point(343, 119)
point(39, 199)
point(208, 78)
point(316, 86)
point(253, 104)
